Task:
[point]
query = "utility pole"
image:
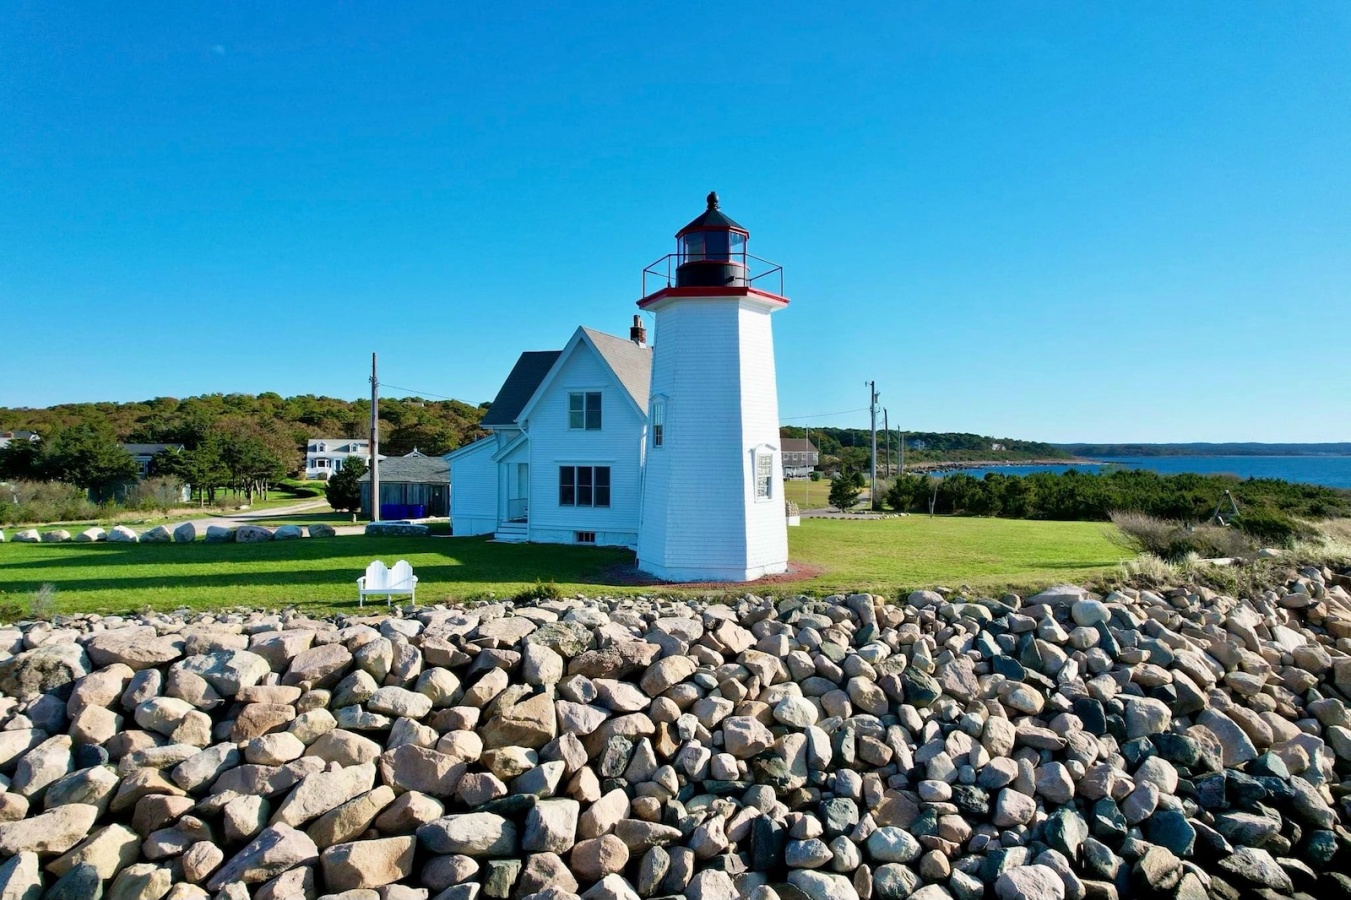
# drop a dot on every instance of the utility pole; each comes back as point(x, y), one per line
point(872, 414)
point(886, 429)
point(902, 452)
point(375, 443)
point(807, 488)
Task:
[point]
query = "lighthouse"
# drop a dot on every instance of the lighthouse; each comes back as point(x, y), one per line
point(712, 491)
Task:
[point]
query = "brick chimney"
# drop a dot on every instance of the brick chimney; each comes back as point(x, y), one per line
point(638, 334)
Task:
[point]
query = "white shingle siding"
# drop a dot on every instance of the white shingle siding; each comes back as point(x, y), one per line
point(618, 444)
point(713, 360)
point(473, 496)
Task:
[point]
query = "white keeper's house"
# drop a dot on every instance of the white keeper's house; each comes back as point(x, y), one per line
point(670, 449)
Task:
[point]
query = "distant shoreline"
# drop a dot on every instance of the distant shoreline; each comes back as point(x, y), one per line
point(945, 466)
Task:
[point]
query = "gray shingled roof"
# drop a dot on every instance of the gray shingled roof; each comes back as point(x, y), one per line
point(149, 449)
point(413, 470)
point(519, 387)
point(631, 363)
point(798, 445)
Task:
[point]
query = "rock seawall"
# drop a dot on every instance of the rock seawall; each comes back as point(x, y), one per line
point(1173, 744)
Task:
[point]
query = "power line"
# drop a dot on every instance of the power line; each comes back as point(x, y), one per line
point(825, 415)
point(416, 392)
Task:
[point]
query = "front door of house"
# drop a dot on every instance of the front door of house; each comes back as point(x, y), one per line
point(518, 503)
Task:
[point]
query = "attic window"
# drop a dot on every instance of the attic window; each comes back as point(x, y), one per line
point(584, 411)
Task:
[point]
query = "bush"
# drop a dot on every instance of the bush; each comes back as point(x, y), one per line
point(34, 502)
point(540, 590)
point(844, 493)
point(1271, 528)
point(1175, 542)
point(814, 475)
point(157, 493)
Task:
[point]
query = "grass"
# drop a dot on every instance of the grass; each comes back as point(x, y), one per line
point(809, 494)
point(150, 518)
point(883, 556)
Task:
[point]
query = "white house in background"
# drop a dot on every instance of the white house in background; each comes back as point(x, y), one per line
point(8, 437)
point(672, 451)
point(324, 456)
point(800, 456)
point(563, 463)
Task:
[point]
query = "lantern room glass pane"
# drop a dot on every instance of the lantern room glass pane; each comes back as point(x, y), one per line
point(716, 244)
point(694, 246)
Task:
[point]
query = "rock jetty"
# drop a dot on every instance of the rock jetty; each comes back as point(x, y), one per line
point(1172, 744)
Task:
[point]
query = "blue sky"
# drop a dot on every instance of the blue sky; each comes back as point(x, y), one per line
point(1059, 221)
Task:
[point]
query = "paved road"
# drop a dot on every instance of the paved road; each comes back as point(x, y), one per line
point(244, 517)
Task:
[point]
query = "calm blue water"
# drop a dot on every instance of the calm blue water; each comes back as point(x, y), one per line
point(1329, 471)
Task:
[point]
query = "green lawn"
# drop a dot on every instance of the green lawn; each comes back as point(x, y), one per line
point(807, 494)
point(883, 556)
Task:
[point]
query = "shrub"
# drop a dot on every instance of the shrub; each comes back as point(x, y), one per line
point(540, 590)
point(1271, 527)
point(1175, 542)
point(33, 502)
point(814, 475)
point(42, 605)
point(844, 493)
point(158, 493)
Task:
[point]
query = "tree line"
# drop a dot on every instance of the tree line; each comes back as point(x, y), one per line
point(849, 449)
point(1268, 508)
point(236, 442)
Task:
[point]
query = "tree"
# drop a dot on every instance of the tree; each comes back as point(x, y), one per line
point(843, 494)
point(21, 461)
point(91, 458)
point(344, 488)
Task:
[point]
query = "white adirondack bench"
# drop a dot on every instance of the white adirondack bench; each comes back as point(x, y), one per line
point(380, 579)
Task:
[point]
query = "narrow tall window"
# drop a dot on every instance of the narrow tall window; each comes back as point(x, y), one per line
point(764, 471)
point(584, 411)
point(658, 422)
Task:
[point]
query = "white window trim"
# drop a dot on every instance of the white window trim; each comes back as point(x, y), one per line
point(567, 410)
point(665, 403)
point(757, 452)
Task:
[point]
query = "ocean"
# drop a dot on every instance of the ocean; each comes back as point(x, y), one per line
point(1328, 471)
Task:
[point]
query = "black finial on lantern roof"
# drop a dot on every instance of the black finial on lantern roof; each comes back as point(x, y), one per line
point(712, 250)
point(713, 219)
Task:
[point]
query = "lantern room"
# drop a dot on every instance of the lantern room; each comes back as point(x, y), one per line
point(711, 250)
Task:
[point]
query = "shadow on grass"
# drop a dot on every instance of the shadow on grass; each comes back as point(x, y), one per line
point(313, 562)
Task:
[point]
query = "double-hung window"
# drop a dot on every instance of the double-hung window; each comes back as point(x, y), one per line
point(584, 486)
point(584, 411)
point(658, 422)
point(764, 473)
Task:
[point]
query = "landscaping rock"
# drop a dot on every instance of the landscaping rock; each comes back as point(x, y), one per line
point(252, 534)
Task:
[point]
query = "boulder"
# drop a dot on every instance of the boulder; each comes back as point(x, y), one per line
point(91, 536)
point(185, 533)
point(220, 534)
point(58, 536)
point(121, 534)
point(288, 533)
point(27, 536)
point(252, 534)
point(320, 530)
point(160, 534)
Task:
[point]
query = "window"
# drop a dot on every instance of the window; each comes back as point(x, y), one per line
point(584, 411)
point(584, 537)
point(658, 422)
point(584, 486)
point(764, 472)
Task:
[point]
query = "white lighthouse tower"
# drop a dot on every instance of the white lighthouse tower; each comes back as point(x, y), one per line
point(712, 503)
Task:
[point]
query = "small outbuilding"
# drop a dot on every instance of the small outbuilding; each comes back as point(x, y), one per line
point(416, 486)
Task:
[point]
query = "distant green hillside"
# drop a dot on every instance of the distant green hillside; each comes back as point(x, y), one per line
point(432, 426)
point(1243, 448)
point(922, 446)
